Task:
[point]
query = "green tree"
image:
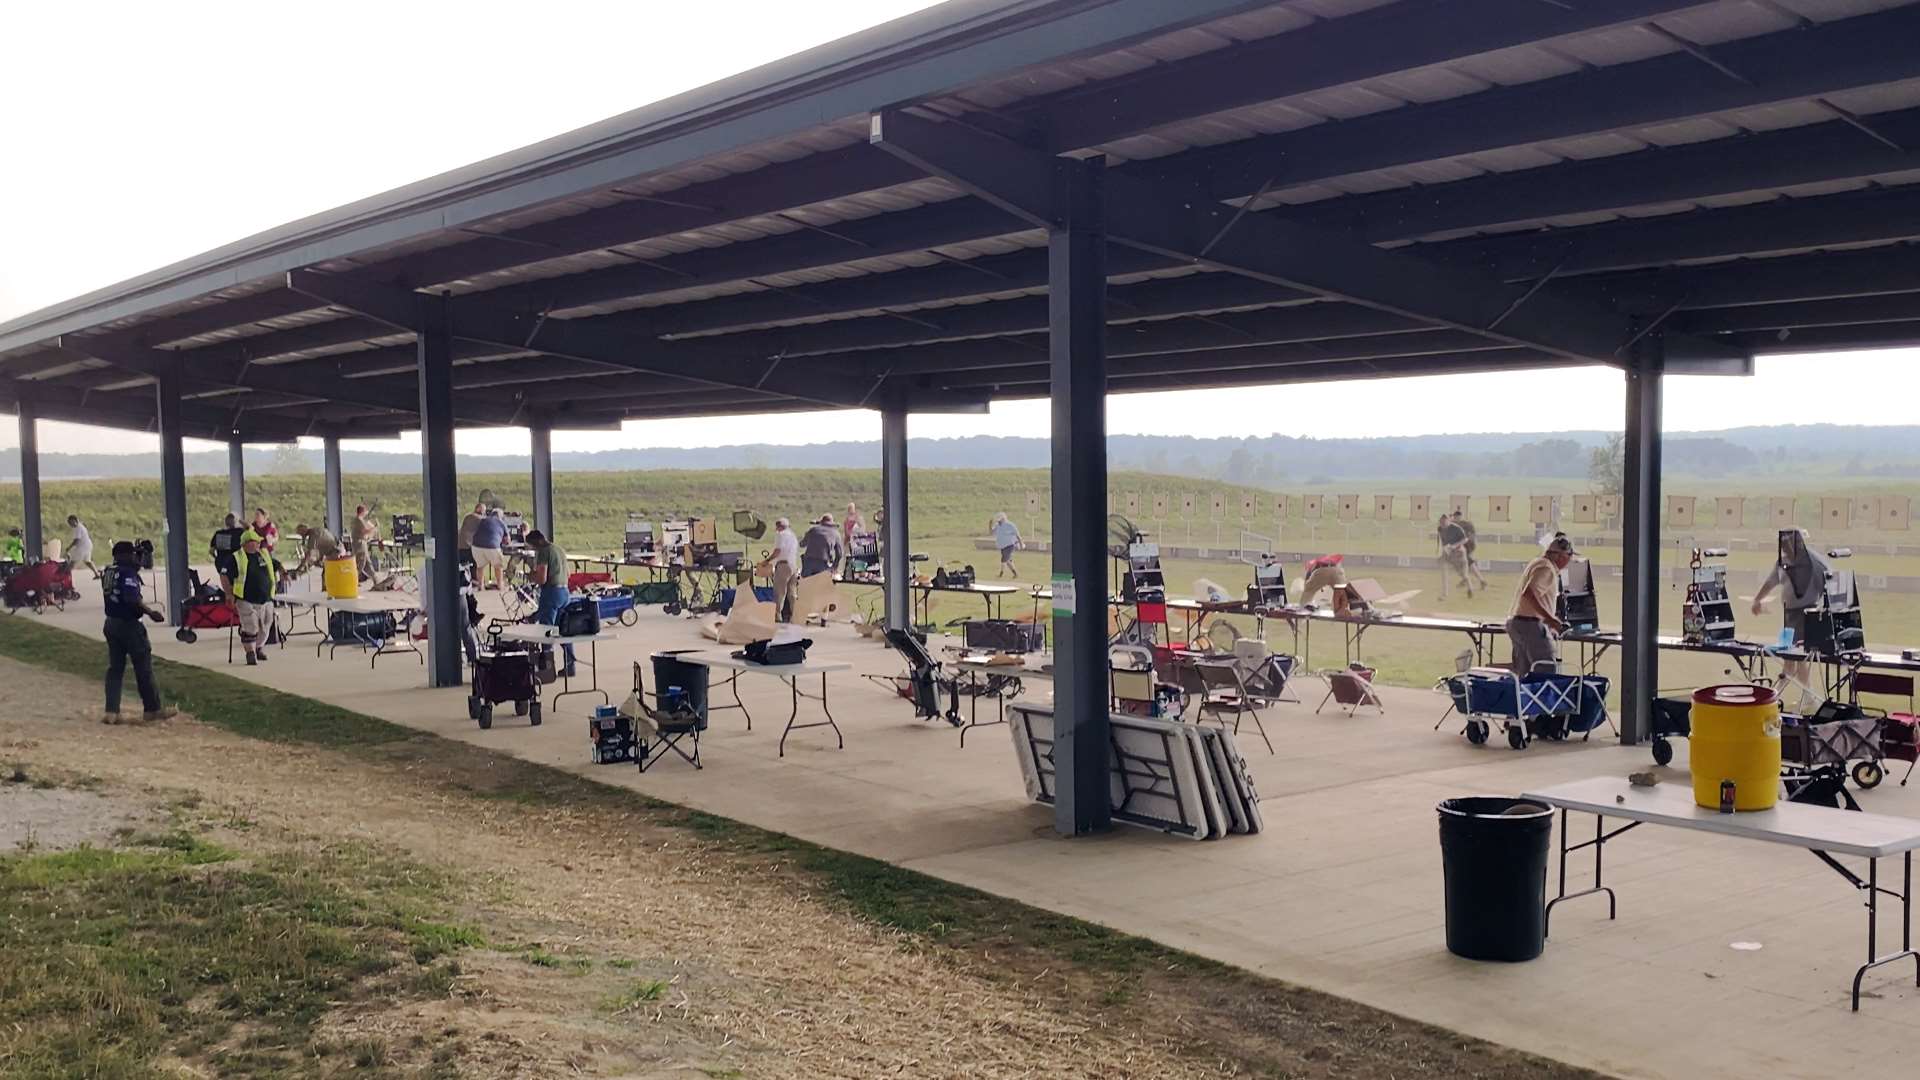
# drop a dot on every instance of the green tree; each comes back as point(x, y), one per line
point(1607, 467)
point(289, 460)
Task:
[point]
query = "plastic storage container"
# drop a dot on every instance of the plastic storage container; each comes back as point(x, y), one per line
point(340, 577)
point(1493, 852)
point(1736, 736)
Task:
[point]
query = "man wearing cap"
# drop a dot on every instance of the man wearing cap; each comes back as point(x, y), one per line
point(251, 590)
point(820, 548)
point(320, 545)
point(1533, 624)
point(127, 635)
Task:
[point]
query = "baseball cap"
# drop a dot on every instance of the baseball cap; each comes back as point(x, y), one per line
point(1561, 543)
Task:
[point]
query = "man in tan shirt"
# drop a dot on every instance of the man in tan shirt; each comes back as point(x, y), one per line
point(1532, 624)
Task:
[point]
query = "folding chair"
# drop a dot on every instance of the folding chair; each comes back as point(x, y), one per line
point(1267, 674)
point(668, 729)
point(1899, 731)
point(1222, 692)
point(1133, 691)
point(1351, 688)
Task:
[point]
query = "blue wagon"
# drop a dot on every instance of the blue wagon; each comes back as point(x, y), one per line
point(616, 604)
point(1539, 705)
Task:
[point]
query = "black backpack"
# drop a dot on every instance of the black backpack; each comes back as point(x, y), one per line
point(580, 618)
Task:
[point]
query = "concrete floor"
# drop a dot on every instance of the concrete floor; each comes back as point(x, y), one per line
point(1341, 893)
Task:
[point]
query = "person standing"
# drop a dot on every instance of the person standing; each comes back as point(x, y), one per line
point(127, 636)
point(549, 573)
point(361, 534)
point(80, 547)
point(1533, 623)
point(785, 559)
point(848, 526)
point(1006, 537)
point(488, 534)
point(820, 549)
point(13, 549)
point(251, 593)
point(467, 525)
point(1801, 576)
point(1453, 555)
point(1470, 547)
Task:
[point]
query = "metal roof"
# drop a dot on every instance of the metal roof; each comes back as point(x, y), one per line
point(1385, 187)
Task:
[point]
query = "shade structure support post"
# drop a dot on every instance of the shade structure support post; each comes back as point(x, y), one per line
point(440, 581)
point(1640, 543)
point(30, 532)
point(173, 482)
point(542, 459)
point(1077, 293)
point(335, 496)
point(237, 478)
point(896, 571)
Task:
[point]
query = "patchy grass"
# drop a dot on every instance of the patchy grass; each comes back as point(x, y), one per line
point(174, 946)
point(645, 992)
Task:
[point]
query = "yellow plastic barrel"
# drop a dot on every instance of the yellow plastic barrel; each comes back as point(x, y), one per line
point(341, 579)
point(1736, 736)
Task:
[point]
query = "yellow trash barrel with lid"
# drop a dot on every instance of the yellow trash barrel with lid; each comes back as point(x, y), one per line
point(340, 577)
point(1736, 736)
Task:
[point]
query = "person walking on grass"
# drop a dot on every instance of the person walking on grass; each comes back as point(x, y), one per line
point(127, 636)
point(1006, 537)
point(80, 547)
point(251, 592)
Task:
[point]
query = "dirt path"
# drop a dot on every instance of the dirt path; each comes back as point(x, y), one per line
point(619, 944)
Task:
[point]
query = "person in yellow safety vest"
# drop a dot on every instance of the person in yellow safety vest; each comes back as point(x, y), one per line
point(251, 594)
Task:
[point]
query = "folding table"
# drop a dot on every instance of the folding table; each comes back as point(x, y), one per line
point(404, 607)
point(540, 634)
point(1823, 830)
point(791, 674)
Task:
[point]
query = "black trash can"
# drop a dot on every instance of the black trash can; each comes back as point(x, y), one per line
point(669, 671)
point(1494, 853)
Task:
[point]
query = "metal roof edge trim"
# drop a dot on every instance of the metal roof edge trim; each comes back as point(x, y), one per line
point(911, 58)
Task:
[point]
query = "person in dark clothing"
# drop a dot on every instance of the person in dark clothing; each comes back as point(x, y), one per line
point(127, 636)
point(224, 545)
point(820, 549)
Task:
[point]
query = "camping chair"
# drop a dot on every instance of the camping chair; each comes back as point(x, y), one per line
point(656, 730)
point(1351, 688)
point(1899, 731)
point(1222, 692)
point(1133, 691)
point(1265, 672)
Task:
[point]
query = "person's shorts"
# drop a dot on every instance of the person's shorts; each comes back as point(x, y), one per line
point(1006, 553)
point(253, 620)
point(488, 558)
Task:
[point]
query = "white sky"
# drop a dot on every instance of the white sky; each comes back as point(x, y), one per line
point(145, 133)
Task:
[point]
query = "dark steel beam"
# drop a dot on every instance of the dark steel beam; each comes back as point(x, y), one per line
point(1641, 586)
point(134, 410)
point(1788, 65)
point(1881, 335)
point(1200, 361)
point(1858, 310)
point(540, 457)
point(335, 490)
point(1076, 246)
point(29, 423)
point(173, 483)
point(1149, 218)
point(896, 572)
point(440, 490)
point(1893, 268)
point(219, 315)
point(1333, 52)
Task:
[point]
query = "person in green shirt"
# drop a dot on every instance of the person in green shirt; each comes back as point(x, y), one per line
point(13, 549)
point(549, 573)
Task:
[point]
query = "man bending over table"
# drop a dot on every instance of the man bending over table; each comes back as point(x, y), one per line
point(1532, 625)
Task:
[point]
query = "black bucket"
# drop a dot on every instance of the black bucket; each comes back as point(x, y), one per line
point(1494, 854)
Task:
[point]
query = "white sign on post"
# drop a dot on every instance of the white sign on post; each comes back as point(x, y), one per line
point(1062, 594)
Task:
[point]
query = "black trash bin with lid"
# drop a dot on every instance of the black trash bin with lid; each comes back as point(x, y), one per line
point(669, 671)
point(1494, 854)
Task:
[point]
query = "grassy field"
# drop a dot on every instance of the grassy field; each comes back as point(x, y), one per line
point(951, 508)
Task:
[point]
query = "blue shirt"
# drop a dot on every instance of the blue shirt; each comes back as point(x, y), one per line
point(123, 593)
point(491, 532)
point(1005, 535)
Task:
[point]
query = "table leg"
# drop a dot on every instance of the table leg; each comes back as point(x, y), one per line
point(593, 686)
point(1872, 887)
point(1598, 844)
point(793, 684)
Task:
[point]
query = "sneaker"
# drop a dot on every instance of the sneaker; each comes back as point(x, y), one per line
point(164, 712)
point(110, 716)
point(250, 660)
point(262, 654)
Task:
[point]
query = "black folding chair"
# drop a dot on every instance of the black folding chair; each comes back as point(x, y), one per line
point(1224, 692)
point(670, 728)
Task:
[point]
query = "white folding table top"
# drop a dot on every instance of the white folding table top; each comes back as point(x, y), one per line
point(728, 660)
point(364, 604)
point(302, 599)
point(1817, 828)
point(541, 634)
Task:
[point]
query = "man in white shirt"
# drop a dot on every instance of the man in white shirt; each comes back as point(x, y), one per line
point(1533, 624)
point(786, 567)
point(80, 548)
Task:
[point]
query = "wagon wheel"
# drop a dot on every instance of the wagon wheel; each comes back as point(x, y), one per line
point(1477, 732)
point(1662, 752)
point(1868, 774)
point(486, 715)
point(1517, 737)
point(629, 617)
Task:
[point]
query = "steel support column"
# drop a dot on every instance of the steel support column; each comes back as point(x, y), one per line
point(895, 570)
point(335, 497)
point(173, 483)
point(237, 478)
point(1077, 296)
point(440, 580)
point(542, 477)
point(1640, 587)
point(30, 478)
